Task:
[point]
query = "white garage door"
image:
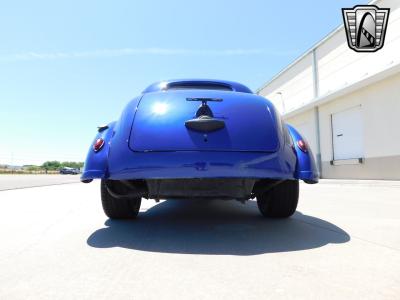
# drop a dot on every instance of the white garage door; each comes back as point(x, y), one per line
point(347, 134)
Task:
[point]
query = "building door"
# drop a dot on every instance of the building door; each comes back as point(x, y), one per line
point(347, 134)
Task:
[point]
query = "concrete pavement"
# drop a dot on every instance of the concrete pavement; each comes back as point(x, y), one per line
point(10, 182)
point(343, 243)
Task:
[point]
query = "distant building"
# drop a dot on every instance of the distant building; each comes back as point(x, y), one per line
point(346, 104)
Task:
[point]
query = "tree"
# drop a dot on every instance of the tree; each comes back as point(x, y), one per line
point(56, 165)
point(72, 164)
point(51, 165)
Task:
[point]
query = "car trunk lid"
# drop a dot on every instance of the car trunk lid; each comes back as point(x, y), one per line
point(198, 120)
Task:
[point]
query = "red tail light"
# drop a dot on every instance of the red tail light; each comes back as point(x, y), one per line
point(302, 145)
point(98, 144)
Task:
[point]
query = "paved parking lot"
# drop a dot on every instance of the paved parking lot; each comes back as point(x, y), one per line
point(10, 182)
point(343, 243)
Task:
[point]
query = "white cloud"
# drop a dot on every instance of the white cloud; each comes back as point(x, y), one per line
point(104, 53)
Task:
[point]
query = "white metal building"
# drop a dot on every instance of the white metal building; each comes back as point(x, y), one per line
point(346, 104)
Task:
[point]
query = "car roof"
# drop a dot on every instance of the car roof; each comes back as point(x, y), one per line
point(164, 85)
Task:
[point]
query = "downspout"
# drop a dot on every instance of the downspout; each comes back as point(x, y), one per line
point(316, 111)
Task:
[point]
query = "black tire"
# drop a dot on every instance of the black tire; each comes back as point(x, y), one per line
point(116, 208)
point(280, 201)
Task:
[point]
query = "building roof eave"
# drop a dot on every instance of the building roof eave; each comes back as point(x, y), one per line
point(310, 50)
point(395, 69)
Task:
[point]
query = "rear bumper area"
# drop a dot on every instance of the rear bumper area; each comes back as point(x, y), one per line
point(194, 164)
point(197, 188)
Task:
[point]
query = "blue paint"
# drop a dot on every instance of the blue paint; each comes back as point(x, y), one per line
point(150, 140)
point(305, 168)
point(159, 123)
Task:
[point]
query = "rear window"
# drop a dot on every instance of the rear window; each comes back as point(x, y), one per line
point(198, 86)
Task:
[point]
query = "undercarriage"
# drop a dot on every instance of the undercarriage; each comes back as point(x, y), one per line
point(215, 188)
point(121, 199)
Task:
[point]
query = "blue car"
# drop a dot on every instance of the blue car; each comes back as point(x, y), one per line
point(199, 139)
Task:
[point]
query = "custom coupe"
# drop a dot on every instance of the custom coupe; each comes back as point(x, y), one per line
point(201, 139)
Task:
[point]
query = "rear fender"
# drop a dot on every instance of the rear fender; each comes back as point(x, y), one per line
point(305, 166)
point(96, 164)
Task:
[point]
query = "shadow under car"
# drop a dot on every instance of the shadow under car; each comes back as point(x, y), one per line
point(215, 227)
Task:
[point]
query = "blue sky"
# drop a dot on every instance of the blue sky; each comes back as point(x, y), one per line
point(66, 67)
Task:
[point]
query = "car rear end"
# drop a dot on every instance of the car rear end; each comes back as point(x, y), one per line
point(199, 139)
point(237, 143)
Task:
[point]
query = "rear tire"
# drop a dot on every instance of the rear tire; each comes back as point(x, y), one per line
point(118, 208)
point(280, 201)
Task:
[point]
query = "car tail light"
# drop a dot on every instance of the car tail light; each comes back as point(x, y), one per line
point(302, 145)
point(98, 144)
